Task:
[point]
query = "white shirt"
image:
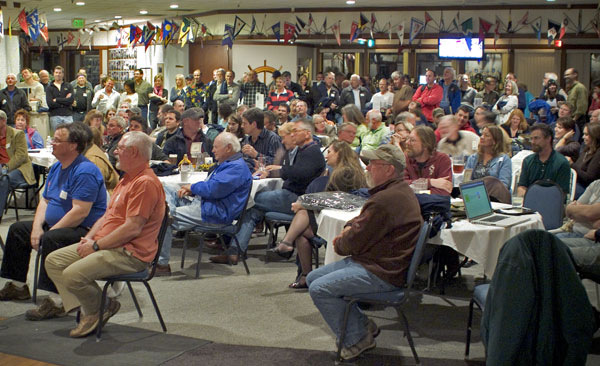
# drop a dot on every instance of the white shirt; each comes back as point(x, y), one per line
point(356, 93)
point(132, 99)
point(107, 101)
point(381, 101)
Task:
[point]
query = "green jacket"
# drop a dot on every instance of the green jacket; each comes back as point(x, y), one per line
point(578, 96)
point(16, 147)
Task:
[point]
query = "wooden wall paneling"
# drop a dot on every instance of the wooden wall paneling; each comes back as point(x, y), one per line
point(208, 58)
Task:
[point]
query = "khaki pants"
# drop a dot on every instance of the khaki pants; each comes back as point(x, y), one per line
point(75, 277)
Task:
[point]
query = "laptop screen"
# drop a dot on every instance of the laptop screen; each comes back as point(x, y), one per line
point(477, 202)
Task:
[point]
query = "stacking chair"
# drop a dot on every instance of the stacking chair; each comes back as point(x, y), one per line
point(394, 298)
point(219, 230)
point(142, 276)
point(275, 220)
point(4, 191)
point(547, 198)
point(479, 296)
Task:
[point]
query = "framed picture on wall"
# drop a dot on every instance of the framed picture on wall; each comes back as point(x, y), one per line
point(160, 69)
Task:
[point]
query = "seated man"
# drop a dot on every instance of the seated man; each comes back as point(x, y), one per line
point(13, 154)
point(462, 118)
point(73, 199)
point(95, 154)
point(259, 142)
point(217, 200)
point(424, 162)
point(192, 121)
point(115, 128)
point(380, 242)
point(297, 173)
point(172, 122)
point(136, 123)
point(123, 240)
point(376, 133)
point(545, 163)
point(455, 142)
point(584, 213)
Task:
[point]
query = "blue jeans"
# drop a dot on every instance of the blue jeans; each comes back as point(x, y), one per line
point(567, 234)
point(329, 284)
point(144, 109)
point(185, 213)
point(57, 120)
point(586, 253)
point(279, 200)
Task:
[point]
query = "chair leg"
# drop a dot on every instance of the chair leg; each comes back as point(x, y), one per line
point(469, 324)
point(338, 356)
point(36, 271)
point(409, 337)
point(160, 318)
point(597, 289)
point(241, 255)
point(316, 254)
point(1, 243)
point(185, 243)
point(200, 247)
point(137, 305)
point(14, 196)
point(101, 311)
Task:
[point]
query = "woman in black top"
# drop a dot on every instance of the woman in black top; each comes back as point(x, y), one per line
point(588, 164)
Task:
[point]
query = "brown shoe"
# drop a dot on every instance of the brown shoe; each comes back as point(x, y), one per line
point(46, 310)
point(12, 292)
point(87, 324)
point(112, 308)
point(162, 270)
point(225, 259)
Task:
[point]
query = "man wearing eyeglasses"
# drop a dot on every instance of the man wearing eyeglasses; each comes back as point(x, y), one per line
point(73, 199)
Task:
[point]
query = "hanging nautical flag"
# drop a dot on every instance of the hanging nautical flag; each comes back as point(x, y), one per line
point(325, 25)
point(61, 42)
point(253, 25)
point(79, 42)
point(536, 25)
point(167, 31)
point(1, 24)
point(135, 33)
point(400, 33)
point(44, 27)
point(184, 31)
point(227, 36)
point(300, 22)
point(288, 32)
point(373, 20)
point(149, 35)
point(354, 31)
point(456, 22)
point(467, 26)
point(497, 30)
point(118, 37)
point(238, 25)
point(523, 20)
point(9, 27)
point(428, 19)
point(509, 26)
point(563, 27)
point(389, 28)
point(70, 37)
point(33, 23)
point(277, 31)
point(484, 27)
point(23, 21)
point(336, 32)
point(416, 26)
point(553, 28)
point(310, 22)
point(363, 21)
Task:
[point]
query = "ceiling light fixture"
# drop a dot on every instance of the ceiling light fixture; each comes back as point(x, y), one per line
point(173, 6)
point(143, 12)
point(80, 3)
point(97, 21)
point(350, 2)
point(117, 17)
point(57, 9)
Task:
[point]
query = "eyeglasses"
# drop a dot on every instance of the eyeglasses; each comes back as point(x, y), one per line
point(55, 141)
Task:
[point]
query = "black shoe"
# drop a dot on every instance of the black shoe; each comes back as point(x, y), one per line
point(276, 254)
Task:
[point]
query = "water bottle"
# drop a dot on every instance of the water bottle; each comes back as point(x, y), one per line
point(185, 167)
point(49, 143)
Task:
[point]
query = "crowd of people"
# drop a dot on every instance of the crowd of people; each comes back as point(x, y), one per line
point(339, 133)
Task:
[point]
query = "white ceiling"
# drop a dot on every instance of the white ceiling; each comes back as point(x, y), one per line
point(106, 10)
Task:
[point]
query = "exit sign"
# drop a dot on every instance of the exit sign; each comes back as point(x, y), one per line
point(78, 23)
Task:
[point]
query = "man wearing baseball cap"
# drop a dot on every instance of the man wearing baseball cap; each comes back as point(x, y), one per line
point(379, 243)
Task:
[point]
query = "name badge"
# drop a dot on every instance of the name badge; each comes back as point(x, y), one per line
point(85, 95)
point(362, 94)
point(63, 195)
point(8, 145)
point(196, 148)
point(475, 145)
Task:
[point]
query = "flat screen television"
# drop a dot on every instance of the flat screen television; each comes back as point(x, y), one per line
point(457, 48)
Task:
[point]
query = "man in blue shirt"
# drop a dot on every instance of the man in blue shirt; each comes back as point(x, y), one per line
point(217, 200)
point(73, 199)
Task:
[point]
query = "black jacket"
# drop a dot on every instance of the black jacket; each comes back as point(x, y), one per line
point(308, 165)
point(83, 95)
point(62, 105)
point(19, 101)
point(348, 97)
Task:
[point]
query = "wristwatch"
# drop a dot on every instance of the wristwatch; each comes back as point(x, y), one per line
point(95, 247)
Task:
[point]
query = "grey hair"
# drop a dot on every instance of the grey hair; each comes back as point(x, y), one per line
point(120, 121)
point(11, 74)
point(317, 116)
point(3, 115)
point(396, 75)
point(515, 88)
point(375, 114)
point(139, 140)
point(453, 72)
point(450, 117)
point(304, 124)
point(227, 138)
point(355, 76)
point(404, 116)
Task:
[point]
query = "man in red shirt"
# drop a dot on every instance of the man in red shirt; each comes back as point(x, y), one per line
point(462, 116)
point(122, 241)
point(429, 95)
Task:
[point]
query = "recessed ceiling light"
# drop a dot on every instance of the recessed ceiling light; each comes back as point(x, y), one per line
point(57, 9)
point(117, 17)
point(173, 6)
point(350, 2)
point(80, 3)
point(97, 21)
point(143, 12)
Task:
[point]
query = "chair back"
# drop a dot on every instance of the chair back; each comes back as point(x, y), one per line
point(164, 226)
point(4, 191)
point(497, 190)
point(418, 253)
point(547, 198)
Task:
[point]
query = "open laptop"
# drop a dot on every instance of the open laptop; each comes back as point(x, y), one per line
point(479, 209)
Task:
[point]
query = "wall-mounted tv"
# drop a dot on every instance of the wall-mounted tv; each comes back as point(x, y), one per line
point(458, 48)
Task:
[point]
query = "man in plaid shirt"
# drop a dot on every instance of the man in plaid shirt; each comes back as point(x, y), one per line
point(253, 87)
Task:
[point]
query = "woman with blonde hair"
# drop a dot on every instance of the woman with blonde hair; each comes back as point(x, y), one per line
point(178, 92)
point(93, 118)
point(508, 102)
point(490, 159)
point(515, 124)
point(347, 176)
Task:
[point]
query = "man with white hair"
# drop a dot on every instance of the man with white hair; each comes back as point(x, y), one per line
point(355, 94)
point(456, 142)
point(383, 99)
point(595, 116)
point(452, 96)
point(217, 200)
point(12, 99)
point(377, 131)
point(123, 240)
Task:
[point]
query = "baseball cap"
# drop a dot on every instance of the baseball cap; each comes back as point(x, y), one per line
point(134, 110)
point(438, 112)
point(189, 77)
point(388, 153)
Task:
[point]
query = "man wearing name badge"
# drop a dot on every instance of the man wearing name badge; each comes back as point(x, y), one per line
point(451, 97)
point(217, 200)
point(12, 99)
point(83, 96)
point(59, 96)
point(380, 242)
point(327, 95)
point(192, 132)
point(143, 90)
point(73, 199)
point(259, 142)
point(122, 241)
point(253, 87)
point(376, 133)
point(546, 163)
point(355, 94)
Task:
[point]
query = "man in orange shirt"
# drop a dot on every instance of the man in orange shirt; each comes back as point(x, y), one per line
point(122, 241)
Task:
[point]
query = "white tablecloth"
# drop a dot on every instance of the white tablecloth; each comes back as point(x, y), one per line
point(482, 243)
point(258, 185)
point(42, 157)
